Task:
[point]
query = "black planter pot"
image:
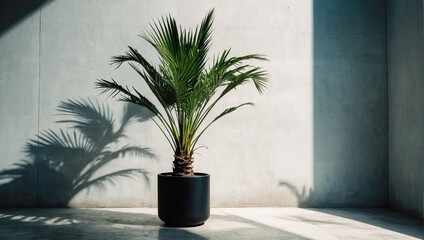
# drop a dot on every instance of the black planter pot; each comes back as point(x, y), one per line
point(183, 201)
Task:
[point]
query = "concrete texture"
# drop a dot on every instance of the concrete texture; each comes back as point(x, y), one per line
point(19, 96)
point(316, 138)
point(228, 223)
point(350, 103)
point(406, 106)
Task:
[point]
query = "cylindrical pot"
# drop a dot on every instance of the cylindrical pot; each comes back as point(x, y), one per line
point(183, 201)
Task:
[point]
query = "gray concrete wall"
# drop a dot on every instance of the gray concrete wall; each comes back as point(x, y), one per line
point(316, 138)
point(406, 105)
point(350, 103)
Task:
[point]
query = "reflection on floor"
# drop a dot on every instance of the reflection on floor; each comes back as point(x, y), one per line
point(224, 223)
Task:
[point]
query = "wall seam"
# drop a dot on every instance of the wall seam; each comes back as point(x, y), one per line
point(388, 106)
point(38, 107)
point(422, 38)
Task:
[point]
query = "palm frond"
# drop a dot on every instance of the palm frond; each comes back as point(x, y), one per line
point(257, 75)
point(135, 113)
point(184, 87)
point(223, 113)
point(224, 70)
point(183, 52)
point(114, 89)
point(163, 91)
point(157, 84)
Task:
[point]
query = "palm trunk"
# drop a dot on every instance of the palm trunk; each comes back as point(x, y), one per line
point(183, 164)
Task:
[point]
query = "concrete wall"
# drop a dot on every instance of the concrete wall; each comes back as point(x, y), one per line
point(316, 138)
point(406, 105)
point(350, 103)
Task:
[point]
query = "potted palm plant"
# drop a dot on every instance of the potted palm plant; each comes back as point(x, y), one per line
point(187, 91)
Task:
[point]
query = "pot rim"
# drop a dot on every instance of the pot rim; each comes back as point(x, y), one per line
point(196, 175)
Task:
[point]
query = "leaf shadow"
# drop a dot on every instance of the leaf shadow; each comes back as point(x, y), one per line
point(60, 164)
point(304, 197)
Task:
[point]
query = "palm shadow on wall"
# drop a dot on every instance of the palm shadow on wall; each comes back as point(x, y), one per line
point(309, 197)
point(60, 164)
point(304, 197)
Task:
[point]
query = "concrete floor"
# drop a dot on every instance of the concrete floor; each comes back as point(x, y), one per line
point(224, 223)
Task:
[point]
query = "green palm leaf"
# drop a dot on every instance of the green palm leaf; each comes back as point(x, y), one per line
point(186, 89)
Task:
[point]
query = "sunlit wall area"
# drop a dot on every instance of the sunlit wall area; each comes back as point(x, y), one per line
point(406, 105)
point(317, 137)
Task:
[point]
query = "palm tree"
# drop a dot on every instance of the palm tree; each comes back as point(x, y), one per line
point(186, 89)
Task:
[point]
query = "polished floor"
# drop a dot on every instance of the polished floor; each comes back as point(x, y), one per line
point(224, 223)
